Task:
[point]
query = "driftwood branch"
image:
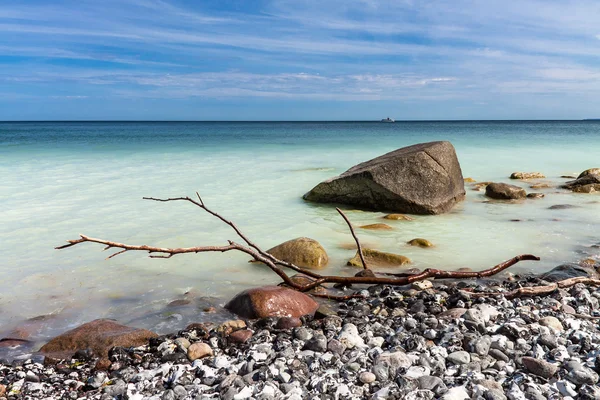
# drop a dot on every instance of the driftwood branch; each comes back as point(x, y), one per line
point(529, 291)
point(358, 246)
point(277, 265)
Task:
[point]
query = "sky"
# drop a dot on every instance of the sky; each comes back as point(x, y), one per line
point(299, 59)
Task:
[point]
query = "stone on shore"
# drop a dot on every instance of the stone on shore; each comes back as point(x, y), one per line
point(376, 258)
point(303, 252)
point(271, 301)
point(421, 179)
point(527, 175)
point(199, 350)
point(539, 367)
point(99, 336)
point(504, 191)
point(566, 271)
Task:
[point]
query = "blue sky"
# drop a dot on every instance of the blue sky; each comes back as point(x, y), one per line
point(299, 59)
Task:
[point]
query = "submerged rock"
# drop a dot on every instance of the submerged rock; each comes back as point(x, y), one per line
point(100, 336)
point(504, 191)
point(271, 301)
point(303, 252)
point(398, 217)
point(421, 179)
point(535, 195)
point(376, 258)
point(420, 242)
point(527, 175)
point(377, 227)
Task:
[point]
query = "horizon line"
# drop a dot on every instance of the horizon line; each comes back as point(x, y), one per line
point(295, 121)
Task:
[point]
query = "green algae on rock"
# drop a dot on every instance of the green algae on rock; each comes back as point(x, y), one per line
point(376, 258)
point(303, 252)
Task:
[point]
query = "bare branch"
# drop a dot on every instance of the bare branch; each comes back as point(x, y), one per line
point(276, 264)
point(360, 252)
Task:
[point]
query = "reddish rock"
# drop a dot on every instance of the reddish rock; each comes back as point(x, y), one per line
point(2, 390)
point(241, 336)
point(100, 336)
point(288, 323)
point(271, 301)
point(103, 364)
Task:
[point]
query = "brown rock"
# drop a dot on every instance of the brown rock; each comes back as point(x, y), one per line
point(271, 301)
point(2, 390)
point(469, 180)
point(100, 336)
point(527, 175)
point(541, 185)
point(303, 252)
point(288, 323)
point(420, 242)
point(539, 367)
point(503, 191)
point(398, 217)
point(241, 336)
point(199, 350)
point(103, 364)
point(227, 327)
point(376, 258)
point(377, 227)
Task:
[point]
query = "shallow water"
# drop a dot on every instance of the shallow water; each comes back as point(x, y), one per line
point(62, 179)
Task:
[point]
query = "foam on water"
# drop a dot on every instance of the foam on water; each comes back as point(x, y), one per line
point(59, 180)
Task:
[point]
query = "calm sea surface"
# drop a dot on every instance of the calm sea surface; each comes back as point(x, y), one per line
point(62, 179)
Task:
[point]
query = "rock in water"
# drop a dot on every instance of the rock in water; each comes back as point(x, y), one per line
point(303, 252)
point(271, 301)
point(504, 191)
point(587, 183)
point(376, 258)
point(591, 171)
point(526, 175)
point(421, 179)
point(99, 335)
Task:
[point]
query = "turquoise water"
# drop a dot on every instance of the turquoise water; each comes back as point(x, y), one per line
point(62, 179)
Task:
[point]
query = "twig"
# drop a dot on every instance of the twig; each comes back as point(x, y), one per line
point(360, 252)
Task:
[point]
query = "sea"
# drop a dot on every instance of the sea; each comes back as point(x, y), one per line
point(62, 179)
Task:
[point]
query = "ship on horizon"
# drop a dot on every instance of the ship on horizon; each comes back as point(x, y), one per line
point(388, 119)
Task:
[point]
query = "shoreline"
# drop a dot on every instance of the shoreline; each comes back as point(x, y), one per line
point(414, 341)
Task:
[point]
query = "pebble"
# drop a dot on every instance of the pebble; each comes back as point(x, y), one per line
point(199, 350)
point(367, 377)
point(551, 322)
point(539, 367)
point(459, 357)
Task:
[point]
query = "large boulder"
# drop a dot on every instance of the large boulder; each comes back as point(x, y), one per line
point(421, 179)
point(591, 171)
point(303, 252)
point(271, 301)
point(99, 336)
point(504, 191)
